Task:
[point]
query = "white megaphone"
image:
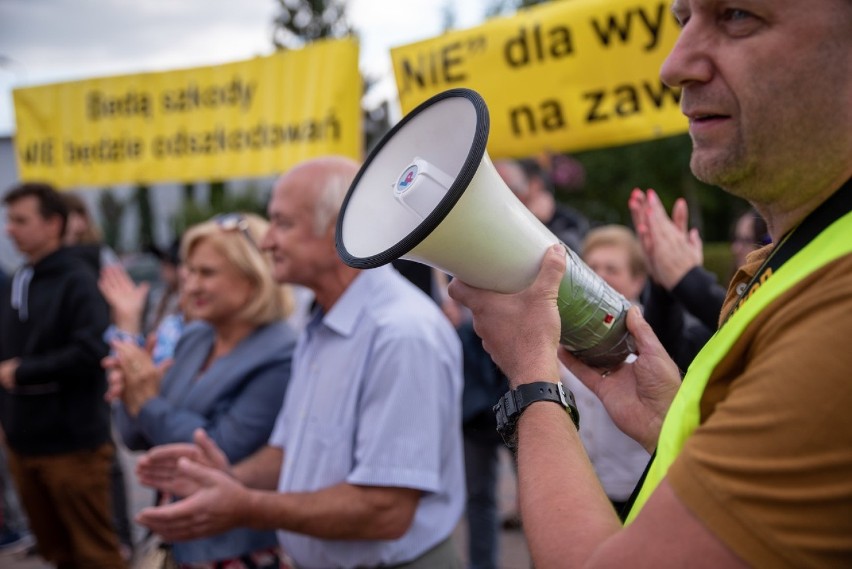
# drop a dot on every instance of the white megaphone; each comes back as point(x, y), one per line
point(428, 192)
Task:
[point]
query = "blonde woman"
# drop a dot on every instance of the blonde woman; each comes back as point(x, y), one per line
point(230, 370)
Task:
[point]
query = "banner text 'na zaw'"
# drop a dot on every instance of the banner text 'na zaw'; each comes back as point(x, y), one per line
point(250, 118)
point(563, 76)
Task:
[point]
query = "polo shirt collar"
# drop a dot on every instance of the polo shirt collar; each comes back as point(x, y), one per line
point(346, 312)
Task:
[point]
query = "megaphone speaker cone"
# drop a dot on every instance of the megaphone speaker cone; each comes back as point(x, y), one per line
point(428, 192)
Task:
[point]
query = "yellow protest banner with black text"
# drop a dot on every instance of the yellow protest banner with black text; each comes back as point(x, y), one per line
point(249, 118)
point(562, 76)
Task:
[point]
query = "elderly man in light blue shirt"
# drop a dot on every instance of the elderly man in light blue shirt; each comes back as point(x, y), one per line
point(376, 402)
point(365, 465)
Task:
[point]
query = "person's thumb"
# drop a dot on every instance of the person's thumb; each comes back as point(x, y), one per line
point(552, 269)
point(210, 449)
point(202, 439)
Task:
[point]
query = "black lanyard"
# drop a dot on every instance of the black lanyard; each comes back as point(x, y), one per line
point(829, 211)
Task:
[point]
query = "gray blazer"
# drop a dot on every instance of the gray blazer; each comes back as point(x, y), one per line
point(236, 400)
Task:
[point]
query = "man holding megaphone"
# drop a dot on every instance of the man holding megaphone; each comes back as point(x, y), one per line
point(752, 464)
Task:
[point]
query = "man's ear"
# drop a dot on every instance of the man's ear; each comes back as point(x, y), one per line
point(56, 227)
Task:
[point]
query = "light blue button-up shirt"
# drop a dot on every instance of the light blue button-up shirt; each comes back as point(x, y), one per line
point(375, 400)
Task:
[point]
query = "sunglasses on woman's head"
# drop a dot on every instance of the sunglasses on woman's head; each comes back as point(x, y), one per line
point(235, 222)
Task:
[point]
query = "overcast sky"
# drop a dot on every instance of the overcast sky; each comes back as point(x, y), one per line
point(46, 41)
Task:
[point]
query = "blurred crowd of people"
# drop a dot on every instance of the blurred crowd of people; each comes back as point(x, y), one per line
point(294, 411)
point(199, 364)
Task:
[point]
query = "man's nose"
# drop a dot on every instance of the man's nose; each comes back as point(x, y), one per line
point(690, 60)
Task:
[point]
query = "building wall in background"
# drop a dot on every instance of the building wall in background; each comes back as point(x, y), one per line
point(9, 257)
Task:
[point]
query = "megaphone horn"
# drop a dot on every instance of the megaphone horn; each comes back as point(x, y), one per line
point(433, 197)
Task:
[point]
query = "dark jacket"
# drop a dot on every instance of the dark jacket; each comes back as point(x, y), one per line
point(701, 295)
point(680, 332)
point(484, 385)
point(57, 405)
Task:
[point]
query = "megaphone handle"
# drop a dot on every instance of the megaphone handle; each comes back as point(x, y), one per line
point(608, 357)
point(593, 316)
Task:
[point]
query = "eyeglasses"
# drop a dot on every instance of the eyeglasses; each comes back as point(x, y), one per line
point(235, 222)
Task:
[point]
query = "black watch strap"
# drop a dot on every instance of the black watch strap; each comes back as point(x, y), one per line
point(509, 408)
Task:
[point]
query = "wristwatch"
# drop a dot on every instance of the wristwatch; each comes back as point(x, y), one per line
point(509, 408)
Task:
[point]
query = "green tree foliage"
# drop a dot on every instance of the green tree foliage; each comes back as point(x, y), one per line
point(612, 173)
point(112, 212)
point(300, 22)
point(498, 7)
point(188, 192)
point(146, 218)
point(376, 123)
point(217, 195)
point(251, 201)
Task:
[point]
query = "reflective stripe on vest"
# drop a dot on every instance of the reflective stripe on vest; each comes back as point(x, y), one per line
point(684, 414)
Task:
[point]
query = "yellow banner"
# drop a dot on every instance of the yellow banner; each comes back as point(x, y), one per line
point(563, 76)
point(242, 119)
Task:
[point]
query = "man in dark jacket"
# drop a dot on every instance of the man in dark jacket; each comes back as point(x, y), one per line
point(52, 408)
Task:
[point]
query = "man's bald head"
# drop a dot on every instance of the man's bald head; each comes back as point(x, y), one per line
point(323, 182)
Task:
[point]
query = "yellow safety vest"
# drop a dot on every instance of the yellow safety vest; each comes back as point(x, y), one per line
point(682, 419)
